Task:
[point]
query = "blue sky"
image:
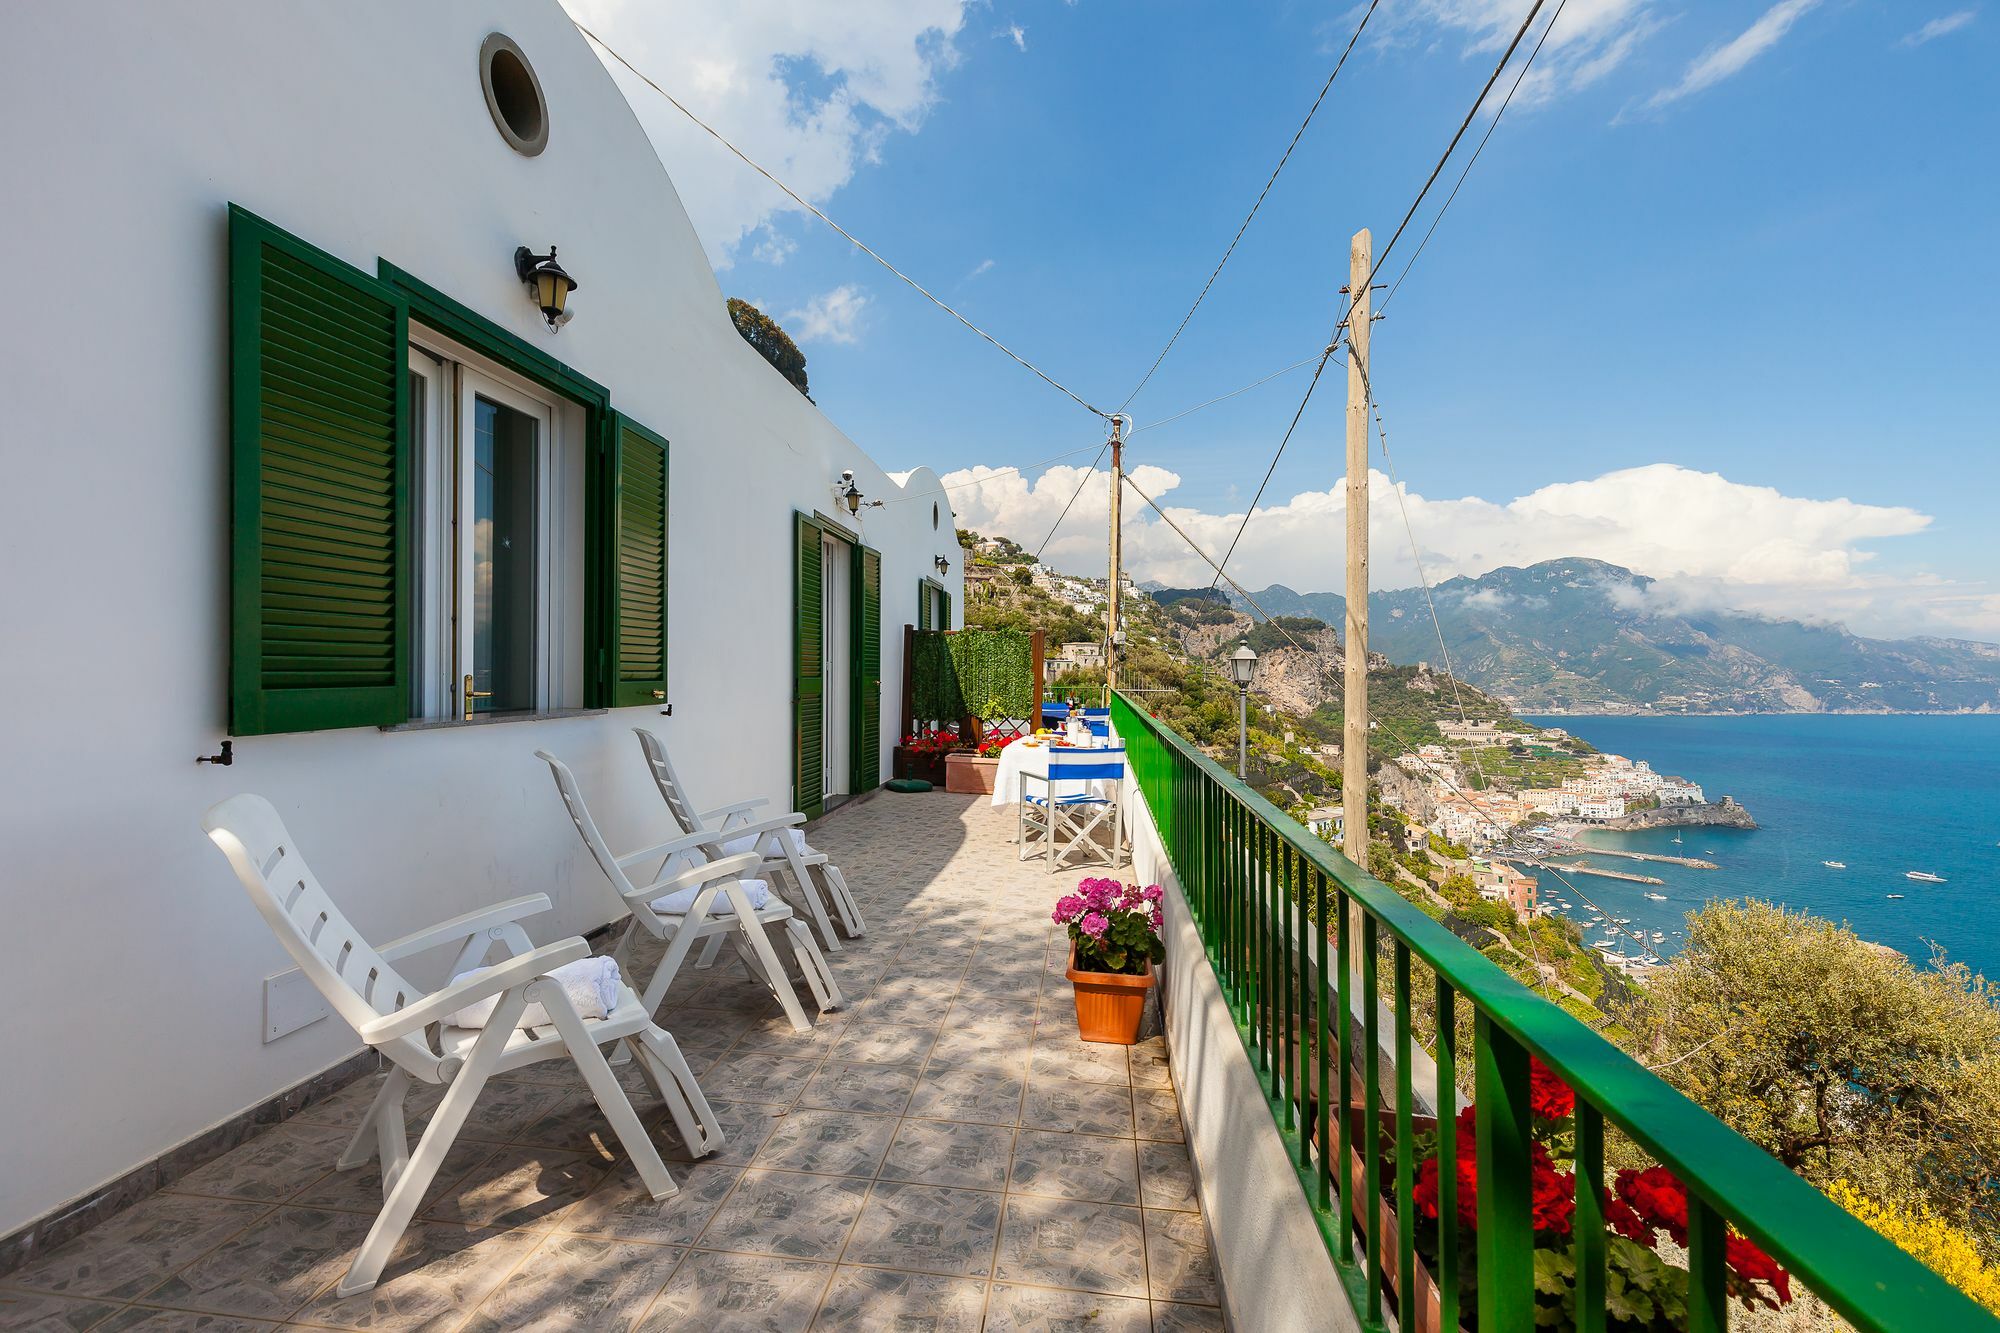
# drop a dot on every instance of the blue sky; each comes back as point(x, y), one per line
point(1718, 301)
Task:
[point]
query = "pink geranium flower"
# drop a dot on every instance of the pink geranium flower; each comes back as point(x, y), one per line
point(1095, 924)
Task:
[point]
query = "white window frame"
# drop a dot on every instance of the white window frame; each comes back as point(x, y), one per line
point(454, 376)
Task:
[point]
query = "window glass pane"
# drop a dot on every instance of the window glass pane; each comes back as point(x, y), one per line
point(503, 557)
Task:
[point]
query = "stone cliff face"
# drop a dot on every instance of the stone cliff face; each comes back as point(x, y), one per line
point(1725, 813)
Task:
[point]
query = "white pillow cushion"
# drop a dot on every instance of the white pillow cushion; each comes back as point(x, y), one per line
point(678, 903)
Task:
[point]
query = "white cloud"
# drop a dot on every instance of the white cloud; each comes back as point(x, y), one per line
point(1593, 38)
point(1730, 58)
point(830, 317)
point(1706, 537)
point(980, 269)
point(1020, 36)
point(808, 89)
point(1938, 27)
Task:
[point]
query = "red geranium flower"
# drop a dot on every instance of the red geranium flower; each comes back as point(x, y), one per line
point(1549, 1098)
point(1618, 1215)
point(1751, 1265)
point(1658, 1197)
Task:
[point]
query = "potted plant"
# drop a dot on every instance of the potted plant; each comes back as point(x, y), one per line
point(973, 770)
point(1114, 940)
point(923, 754)
point(1647, 1290)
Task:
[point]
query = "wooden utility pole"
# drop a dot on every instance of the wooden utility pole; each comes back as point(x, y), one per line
point(1354, 736)
point(1117, 560)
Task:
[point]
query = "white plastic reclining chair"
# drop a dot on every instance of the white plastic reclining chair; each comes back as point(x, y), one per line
point(695, 898)
point(396, 1018)
point(777, 839)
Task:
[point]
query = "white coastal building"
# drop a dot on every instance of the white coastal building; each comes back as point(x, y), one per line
point(298, 468)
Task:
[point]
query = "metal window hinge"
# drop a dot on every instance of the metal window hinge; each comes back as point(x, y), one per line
point(226, 756)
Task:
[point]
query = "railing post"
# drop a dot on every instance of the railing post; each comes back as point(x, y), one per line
point(1506, 1231)
point(1708, 1295)
point(1343, 1010)
point(1447, 1154)
point(1589, 1223)
point(1371, 1114)
point(1406, 1149)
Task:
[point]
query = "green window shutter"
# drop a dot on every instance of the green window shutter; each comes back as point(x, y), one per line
point(808, 686)
point(924, 604)
point(320, 533)
point(639, 565)
point(944, 610)
point(867, 731)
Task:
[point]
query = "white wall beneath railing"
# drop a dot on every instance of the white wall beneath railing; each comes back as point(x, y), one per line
point(132, 961)
point(1270, 1258)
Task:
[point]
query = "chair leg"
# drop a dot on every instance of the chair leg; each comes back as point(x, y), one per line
point(439, 1135)
point(843, 899)
point(809, 892)
point(605, 1088)
point(675, 1083)
point(361, 1149)
point(709, 949)
point(773, 971)
point(813, 966)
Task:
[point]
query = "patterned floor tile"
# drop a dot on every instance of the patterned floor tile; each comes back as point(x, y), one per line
point(1062, 1243)
point(944, 1152)
point(38, 1312)
point(435, 1275)
point(738, 1293)
point(360, 1190)
point(876, 1089)
point(925, 1229)
point(1073, 1107)
point(977, 1095)
point(883, 1044)
point(788, 1214)
point(575, 1282)
point(759, 1076)
point(1166, 1177)
point(621, 1209)
point(863, 1300)
point(1157, 1115)
point(1178, 1258)
point(518, 1187)
point(139, 1319)
point(1074, 1166)
point(133, 1251)
point(1060, 1053)
point(832, 1143)
point(1039, 1310)
point(1169, 1318)
point(272, 1269)
point(745, 1127)
point(270, 1168)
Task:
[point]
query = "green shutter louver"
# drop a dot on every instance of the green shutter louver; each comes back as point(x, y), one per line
point(320, 579)
point(808, 683)
point(944, 610)
point(924, 604)
point(639, 574)
point(867, 731)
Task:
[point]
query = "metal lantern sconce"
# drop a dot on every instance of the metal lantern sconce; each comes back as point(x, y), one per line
point(548, 285)
point(943, 565)
point(850, 494)
point(1243, 666)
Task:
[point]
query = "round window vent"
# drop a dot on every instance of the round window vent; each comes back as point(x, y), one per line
point(513, 95)
point(934, 516)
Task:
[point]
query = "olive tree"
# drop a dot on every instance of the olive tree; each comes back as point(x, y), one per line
point(772, 343)
point(1840, 1057)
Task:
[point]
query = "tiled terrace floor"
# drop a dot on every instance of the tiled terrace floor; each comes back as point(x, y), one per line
point(944, 1155)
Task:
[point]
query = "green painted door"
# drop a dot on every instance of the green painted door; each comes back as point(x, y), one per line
point(867, 660)
point(808, 683)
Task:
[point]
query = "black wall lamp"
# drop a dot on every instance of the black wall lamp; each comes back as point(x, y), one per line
point(943, 565)
point(850, 494)
point(548, 285)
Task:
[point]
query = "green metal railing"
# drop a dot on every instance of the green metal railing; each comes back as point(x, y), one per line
point(1258, 884)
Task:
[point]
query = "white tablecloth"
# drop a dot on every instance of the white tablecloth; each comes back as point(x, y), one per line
point(1029, 756)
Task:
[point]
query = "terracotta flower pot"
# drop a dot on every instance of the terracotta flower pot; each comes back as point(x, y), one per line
point(1109, 1005)
point(967, 772)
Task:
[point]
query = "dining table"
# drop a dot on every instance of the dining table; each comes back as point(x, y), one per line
point(1030, 754)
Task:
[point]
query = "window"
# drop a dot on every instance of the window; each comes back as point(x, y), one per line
point(494, 474)
point(429, 514)
point(513, 95)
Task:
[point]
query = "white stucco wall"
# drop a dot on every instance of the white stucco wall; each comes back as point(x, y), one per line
point(132, 961)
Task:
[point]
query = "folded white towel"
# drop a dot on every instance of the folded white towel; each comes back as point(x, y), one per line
point(737, 846)
point(678, 903)
point(592, 985)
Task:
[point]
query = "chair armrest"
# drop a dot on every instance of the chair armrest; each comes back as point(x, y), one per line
point(463, 927)
point(710, 838)
point(773, 824)
point(729, 867)
point(728, 812)
point(503, 977)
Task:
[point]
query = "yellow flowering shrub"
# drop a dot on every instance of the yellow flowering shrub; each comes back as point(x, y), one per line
point(1928, 1238)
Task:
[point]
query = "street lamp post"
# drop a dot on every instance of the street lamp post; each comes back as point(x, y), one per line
point(1243, 669)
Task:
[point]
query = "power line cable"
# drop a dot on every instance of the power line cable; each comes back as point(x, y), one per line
point(856, 241)
point(1085, 481)
point(1474, 160)
point(1252, 507)
point(1297, 134)
point(1255, 384)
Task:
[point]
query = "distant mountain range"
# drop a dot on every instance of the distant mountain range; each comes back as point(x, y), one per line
point(1583, 636)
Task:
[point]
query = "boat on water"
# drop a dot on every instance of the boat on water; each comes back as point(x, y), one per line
point(1923, 877)
point(1657, 897)
point(1677, 837)
point(1895, 895)
point(1834, 865)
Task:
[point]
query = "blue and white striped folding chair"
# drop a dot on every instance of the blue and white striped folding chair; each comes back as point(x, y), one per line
point(1054, 715)
point(1098, 720)
point(1070, 808)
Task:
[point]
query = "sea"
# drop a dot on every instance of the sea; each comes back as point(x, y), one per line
point(1882, 794)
